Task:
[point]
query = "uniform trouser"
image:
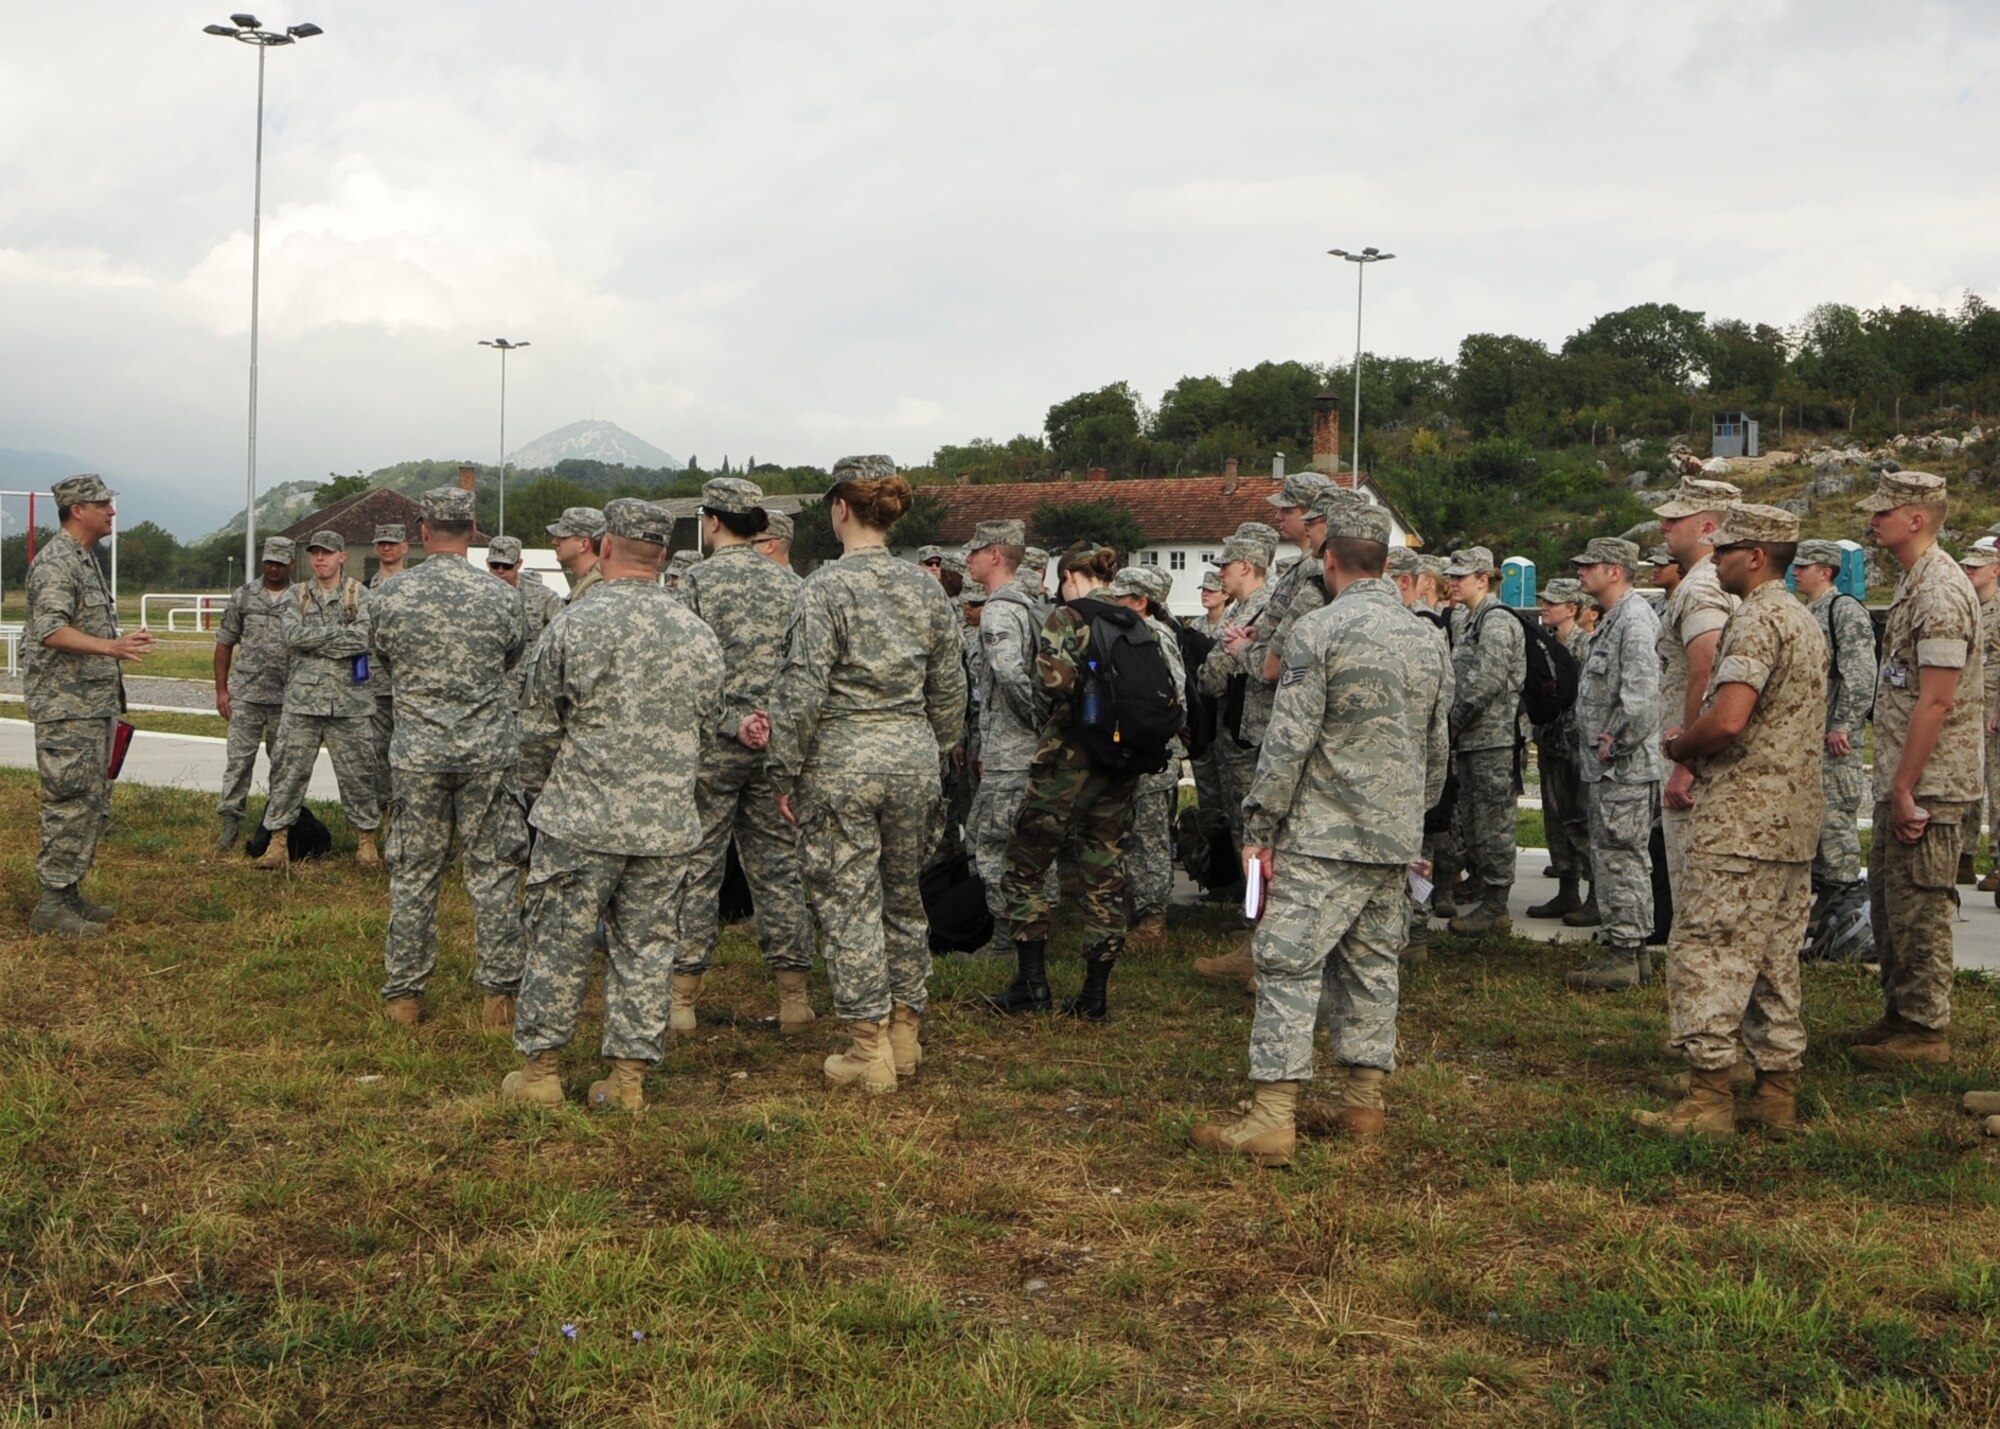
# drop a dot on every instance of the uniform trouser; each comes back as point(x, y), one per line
point(1331, 934)
point(250, 724)
point(1912, 902)
point(1677, 828)
point(1565, 820)
point(1992, 798)
point(350, 743)
point(1484, 817)
point(484, 811)
point(1838, 861)
point(1149, 845)
point(72, 755)
point(942, 839)
point(862, 844)
point(733, 799)
point(987, 831)
point(639, 898)
point(384, 729)
point(1733, 963)
point(1209, 798)
point(1096, 807)
point(1236, 766)
point(1621, 828)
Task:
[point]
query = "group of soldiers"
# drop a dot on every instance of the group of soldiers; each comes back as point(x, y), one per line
point(1356, 718)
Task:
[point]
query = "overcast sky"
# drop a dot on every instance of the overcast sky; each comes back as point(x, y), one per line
point(798, 230)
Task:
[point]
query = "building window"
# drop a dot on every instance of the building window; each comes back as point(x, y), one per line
point(1207, 558)
point(1149, 558)
point(1177, 560)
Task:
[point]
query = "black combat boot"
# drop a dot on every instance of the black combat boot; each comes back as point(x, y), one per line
point(1096, 979)
point(1029, 991)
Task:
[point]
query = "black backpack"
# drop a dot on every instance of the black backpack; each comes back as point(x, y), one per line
point(308, 839)
point(1127, 710)
point(955, 905)
point(1550, 687)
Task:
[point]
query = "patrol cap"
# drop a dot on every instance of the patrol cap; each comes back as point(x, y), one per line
point(972, 595)
point(1609, 551)
point(780, 527)
point(732, 494)
point(73, 490)
point(578, 521)
point(631, 519)
point(1404, 560)
point(1159, 584)
point(997, 533)
point(1130, 580)
point(1433, 565)
point(1978, 558)
point(1035, 559)
point(1660, 556)
point(281, 549)
point(1244, 548)
point(681, 560)
point(503, 551)
point(1564, 590)
point(390, 531)
point(1358, 521)
point(1821, 553)
point(927, 554)
point(443, 503)
point(327, 541)
point(1299, 489)
point(1749, 524)
point(862, 468)
point(1903, 488)
point(1211, 581)
point(1694, 496)
point(1331, 498)
point(1472, 561)
point(952, 559)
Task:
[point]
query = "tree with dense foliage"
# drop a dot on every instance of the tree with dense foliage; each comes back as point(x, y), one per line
point(1055, 526)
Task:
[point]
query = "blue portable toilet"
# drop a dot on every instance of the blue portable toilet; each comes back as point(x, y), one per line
point(1517, 582)
point(1852, 578)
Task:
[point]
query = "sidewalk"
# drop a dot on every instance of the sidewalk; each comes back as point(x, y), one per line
point(174, 761)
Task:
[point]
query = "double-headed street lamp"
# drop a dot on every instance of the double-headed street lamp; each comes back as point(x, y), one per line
point(1361, 261)
point(244, 27)
point(503, 346)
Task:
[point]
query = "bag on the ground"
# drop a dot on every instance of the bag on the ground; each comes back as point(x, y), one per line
point(1202, 847)
point(309, 838)
point(955, 903)
point(1128, 710)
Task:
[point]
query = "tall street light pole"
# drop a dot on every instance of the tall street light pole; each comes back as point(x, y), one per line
point(1361, 261)
point(504, 347)
point(244, 28)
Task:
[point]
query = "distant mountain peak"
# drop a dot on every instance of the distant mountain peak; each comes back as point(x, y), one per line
point(591, 441)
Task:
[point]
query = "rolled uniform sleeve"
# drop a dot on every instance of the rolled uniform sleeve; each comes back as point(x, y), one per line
point(1747, 656)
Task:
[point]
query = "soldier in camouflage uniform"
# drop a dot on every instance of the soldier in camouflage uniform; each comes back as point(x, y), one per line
point(633, 681)
point(1981, 565)
point(1208, 793)
point(1619, 762)
point(1564, 817)
point(1733, 963)
point(1850, 691)
point(1010, 704)
point(392, 550)
point(775, 543)
point(1246, 557)
point(872, 690)
point(1489, 666)
point(1929, 729)
point(1405, 570)
point(73, 692)
point(325, 626)
point(579, 537)
point(678, 567)
point(250, 660)
point(747, 601)
point(1354, 754)
point(538, 603)
point(452, 634)
point(1149, 843)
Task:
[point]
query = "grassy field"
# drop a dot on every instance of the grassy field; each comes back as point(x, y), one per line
point(158, 721)
point(230, 1193)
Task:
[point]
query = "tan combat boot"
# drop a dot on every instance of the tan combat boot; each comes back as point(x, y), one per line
point(1148, 935)
point(1991, 882)
point(906, 1048)
point(55, 914)
point(1967, 874)
point(1880, 1030)
point(1775, 1106)
point(795, 1011)
point(1919, 1046)
point(623, 1089)
point(405, 1011)
point(1489, 917)
point(537, 1081)
point(1267, 1135)
point(366, 855)
point(1982, 1103)
point(1319, 1116)
point(1742, 1076)
point(1991, 1126)
point(1236, 964)
point(1361, 1112)
point(1708, 1110)
point(277, 853)
point(867, 1060)
point(496, 1012)
point(687, 987)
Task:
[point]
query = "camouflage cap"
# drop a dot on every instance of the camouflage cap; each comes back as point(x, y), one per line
point(1978, 558)
point(631, 519)
point(732, 494)
point(1433, 565)
point(1299, 489)
point(1903, 488)
point(681, 560)
point(1131, 581)
point(281, 549)
point(577, 521)
point(1358, 521)
point(1660, 556)
point(1211, 581)
point(1404, 560)
point(1244, 548)
point(1609, 551)
point(1472, 561)
point(1748, 524)
point(74, 490)
point(391, 531)
point(928, 554)
point(781, 525)
point(503, 551)
point(1694, 496)
point(327, 541)
point(1331, 498)
point(1820, 553)
point(1564, 590)
point(997, 533)
point(862, 468)
point(1036, 559)
point(972, 595)
point(443, 503)
point(952, 559)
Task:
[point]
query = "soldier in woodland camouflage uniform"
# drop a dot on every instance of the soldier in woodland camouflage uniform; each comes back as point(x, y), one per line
point(1733, 964)
point(1564, 817)
point(538, 604)
point(871, 692)
point(1850, 690)
point(1149, 843)
point(392, 549)
point(634, 683)
point(1010, 704)
point(1981, 565)
point(452, 634)
point(250, 660)
point(579, 536)
point(1354, 754)
point(1619, 762)
point(1489, 666)
point(747, 601)
point(1929, 729)
point(73, 691)
point(326, 629)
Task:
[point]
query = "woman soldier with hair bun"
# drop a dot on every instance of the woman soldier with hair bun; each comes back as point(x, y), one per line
point(871, 691)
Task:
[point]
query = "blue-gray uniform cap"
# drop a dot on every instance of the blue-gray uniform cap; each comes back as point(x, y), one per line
point(75, 490)
point(281, 550)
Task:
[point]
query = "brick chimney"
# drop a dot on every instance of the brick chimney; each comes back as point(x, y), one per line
point(1229, 468)
point(1095, 473)
point(468, 478)
point(1326, 434)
